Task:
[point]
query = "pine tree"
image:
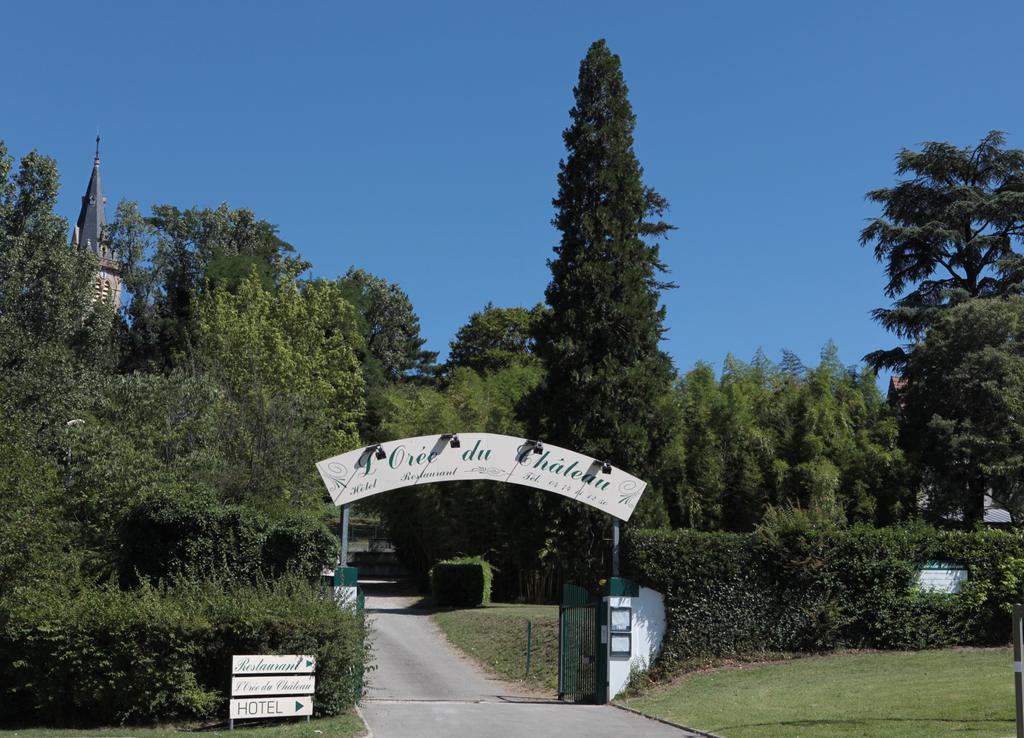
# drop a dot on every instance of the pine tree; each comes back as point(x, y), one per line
point(606, 373)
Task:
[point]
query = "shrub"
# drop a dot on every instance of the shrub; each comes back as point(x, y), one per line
point(300, 544)
point(104, 656)
point(162, 653)
point(172, 532)
point(463, 582)
point(286, 615)
point(801, 584)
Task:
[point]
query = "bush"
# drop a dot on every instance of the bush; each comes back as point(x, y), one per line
point(287, 616)
point(463, 582)
point(803, 585)
point(299, 544)
point(169, 533)
point(106, 656)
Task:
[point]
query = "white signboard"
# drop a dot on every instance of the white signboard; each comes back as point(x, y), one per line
point(941, 576)
point(270, 707)
point(428, 459)
point(251, 686)
point(259, 685)
point(273, 665)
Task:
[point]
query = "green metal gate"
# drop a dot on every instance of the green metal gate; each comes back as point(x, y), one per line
point(579, 629)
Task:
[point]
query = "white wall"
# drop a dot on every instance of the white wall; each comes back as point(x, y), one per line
point(648, 634)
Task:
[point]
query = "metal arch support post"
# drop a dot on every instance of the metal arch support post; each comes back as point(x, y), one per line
point(1018, 677)
point(615, 546)
point(343, 553)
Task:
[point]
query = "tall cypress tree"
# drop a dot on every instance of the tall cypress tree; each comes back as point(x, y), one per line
point(606, 373)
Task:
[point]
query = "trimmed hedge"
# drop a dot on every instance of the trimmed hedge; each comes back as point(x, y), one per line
point(106, 656)
point(167, 534)
point(462, 582)
point(797, 588)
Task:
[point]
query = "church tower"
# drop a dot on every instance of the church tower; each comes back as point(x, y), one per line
point(89, 235)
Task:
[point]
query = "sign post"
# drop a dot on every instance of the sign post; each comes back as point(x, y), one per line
point(1018, 677)
point(271, 687)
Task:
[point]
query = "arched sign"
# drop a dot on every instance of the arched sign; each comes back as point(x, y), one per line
point(480, 456)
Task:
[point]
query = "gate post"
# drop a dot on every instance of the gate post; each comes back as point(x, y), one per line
point(561, 637)
point(601, 649)
point(617, 608)
point(1018, 677)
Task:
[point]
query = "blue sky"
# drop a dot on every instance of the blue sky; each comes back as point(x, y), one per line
point(421, 141)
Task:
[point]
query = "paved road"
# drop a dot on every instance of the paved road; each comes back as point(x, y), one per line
point(422, 688)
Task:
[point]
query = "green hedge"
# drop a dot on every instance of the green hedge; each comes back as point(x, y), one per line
point(797, 588)
point(105, 656)
point(168, 533)
point(462, 582)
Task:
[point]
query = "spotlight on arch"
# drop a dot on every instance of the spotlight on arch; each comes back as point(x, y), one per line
point(536, 447)
point(606, 467)
point(378, 452)
point(453, 440)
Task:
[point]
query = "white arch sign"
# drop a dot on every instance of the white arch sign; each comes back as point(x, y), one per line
point(408, 462)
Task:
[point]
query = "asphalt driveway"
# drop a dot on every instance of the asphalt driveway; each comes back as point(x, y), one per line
point(420, 687)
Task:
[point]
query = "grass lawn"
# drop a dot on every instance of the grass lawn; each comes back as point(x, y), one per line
point(925, 694)
point(495, 635)
point(342, 726)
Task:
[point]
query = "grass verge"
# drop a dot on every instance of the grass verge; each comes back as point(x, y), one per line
point(340, 726)
point(923, 694)
point(495, 636)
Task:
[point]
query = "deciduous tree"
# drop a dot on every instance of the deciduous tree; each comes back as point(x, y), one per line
point(49, 331)
point(496, 338)
point(174, 256)
point(388, 323)
point(286, 360)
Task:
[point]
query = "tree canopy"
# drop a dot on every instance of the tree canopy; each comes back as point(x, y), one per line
point(963, 409)
point(761, 437)
point(496, 338)
point(600, 340)
point(947, 233)
point(286, 359)
point(174, 256)
point(389, 325)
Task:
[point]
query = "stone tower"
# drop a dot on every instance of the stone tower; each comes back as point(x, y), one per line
point(89, 235)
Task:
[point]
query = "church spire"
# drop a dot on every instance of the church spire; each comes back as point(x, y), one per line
point(89, 235)
point(92, 217)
